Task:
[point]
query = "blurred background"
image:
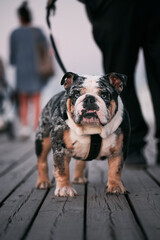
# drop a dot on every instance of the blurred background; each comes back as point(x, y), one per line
point(78, 51)
point(73, 35)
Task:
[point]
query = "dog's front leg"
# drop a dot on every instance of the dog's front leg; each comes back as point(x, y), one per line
point(61, 173)
point(114, 184)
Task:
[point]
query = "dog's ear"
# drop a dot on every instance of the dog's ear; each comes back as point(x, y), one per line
point(68, 79)
point(117, 80)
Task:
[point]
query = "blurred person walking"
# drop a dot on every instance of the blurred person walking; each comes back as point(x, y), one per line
point(24, 42)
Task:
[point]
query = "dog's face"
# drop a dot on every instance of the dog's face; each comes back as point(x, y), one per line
point(92, 100)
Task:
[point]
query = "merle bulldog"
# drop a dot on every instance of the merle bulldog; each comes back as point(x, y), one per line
point(86, 121)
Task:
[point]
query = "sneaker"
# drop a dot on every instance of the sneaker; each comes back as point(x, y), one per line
point(24, 133)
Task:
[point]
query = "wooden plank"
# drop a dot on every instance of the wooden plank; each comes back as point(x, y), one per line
point(15, 177)
point(6, 147)
point(60, 218)
point(19, 210)
point(144, 199)
point(154, 171)
point(108, 216)
point(16, 148)
point(8, 162)
point(4, 139)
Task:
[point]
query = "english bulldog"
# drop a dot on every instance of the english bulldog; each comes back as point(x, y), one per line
point(86, 121)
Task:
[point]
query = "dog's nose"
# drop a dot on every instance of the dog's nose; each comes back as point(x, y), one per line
point(89, 100)
point(90, 103)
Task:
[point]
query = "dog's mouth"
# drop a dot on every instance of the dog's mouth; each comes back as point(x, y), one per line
point(90, 117)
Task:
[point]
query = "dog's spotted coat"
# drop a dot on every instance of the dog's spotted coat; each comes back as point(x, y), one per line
point(89, 105)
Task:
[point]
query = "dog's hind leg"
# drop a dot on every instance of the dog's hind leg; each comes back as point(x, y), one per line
point(78, 176)
point(42, 148)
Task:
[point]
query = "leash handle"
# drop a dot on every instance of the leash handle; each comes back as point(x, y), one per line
point(51, 7)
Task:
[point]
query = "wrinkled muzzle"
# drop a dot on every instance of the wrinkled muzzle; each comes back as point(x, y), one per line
point(90, 109)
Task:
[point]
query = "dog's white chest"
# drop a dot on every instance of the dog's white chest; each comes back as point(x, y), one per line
point(80, 145)
point(107, 144)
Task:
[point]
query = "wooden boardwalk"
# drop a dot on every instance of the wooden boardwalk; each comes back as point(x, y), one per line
point(31, 214)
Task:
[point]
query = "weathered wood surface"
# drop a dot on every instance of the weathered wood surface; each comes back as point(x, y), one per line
point(31, 214)
point(144, 199)
point(112, 213)
point(60, 213)
point(16, 154)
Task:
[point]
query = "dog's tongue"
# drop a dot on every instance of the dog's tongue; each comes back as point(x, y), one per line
point(91, 111)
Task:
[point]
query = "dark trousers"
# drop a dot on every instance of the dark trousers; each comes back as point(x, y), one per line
point(120, 29)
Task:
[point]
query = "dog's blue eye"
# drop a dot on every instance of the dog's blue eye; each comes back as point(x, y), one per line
point(104, 96)
point(77, 94)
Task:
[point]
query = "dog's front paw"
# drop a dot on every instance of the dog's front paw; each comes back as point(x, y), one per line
point(115, 188)
point(44, 184)
point(66, 191)
point(79, 180)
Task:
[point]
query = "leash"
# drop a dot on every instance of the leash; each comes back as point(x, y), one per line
point(51, 7)
point(96, 140)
